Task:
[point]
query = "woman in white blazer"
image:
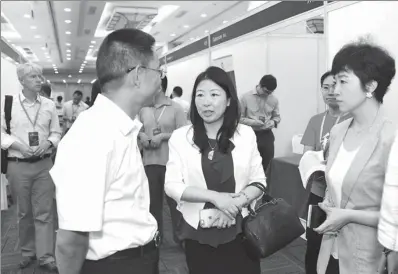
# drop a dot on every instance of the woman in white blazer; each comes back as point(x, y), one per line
point(211, 163)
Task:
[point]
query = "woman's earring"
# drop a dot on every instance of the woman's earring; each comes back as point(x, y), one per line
point(369, 95)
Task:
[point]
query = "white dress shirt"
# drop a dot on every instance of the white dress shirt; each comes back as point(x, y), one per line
point(388, 225)
point(101, 186)
point(184, 168)
point(72, 111)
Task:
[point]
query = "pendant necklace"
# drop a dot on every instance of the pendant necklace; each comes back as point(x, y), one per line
point(211, 152)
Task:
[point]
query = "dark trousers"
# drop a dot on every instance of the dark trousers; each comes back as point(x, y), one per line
point(333, 266)
point(313, 241)
point(229, 258)
point(156, 174)
point(145, 264)
point(265, 145)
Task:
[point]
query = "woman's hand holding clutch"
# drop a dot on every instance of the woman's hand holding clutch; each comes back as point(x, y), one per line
point(335, 220)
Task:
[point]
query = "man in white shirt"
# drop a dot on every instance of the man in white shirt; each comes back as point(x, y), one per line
point(177, 93)
point(101, 188)
point(72, 110)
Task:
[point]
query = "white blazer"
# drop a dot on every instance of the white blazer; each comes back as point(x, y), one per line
point(184, 167)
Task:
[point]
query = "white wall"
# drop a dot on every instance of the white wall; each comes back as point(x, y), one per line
point(380, 20)
point(9, 80)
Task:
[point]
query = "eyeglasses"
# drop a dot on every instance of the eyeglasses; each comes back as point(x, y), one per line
point(160, 71)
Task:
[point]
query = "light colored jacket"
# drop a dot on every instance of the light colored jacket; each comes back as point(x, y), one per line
point(184, 167)
point(358, 248)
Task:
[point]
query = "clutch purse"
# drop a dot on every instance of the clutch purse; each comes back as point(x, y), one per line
point(271, 226)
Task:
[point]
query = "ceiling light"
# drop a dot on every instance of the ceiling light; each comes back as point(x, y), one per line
point(186, 26)
point(68, 58)
point(225, 21)
point(78, 81)
point(93, 42)
point(203, 15)
point(68, 44)
point(80, 71)
point(255, 4)
point(67, 10)
point(54, 66)
point(26, 15)
point(68, 50)
point(33, 27)
point(93, 81)
point(70, 76)
point(43, 48)
point(91, 46)
point(37, 36)
point(173, 34)
point(56, 72)
point(48, 81)
point(85, 62)
point(206, 31)
point(64, 81)
point(68, 32)
point(68, 55)
point(68, 21)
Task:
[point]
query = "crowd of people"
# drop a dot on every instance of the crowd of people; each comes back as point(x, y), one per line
point(119, 156)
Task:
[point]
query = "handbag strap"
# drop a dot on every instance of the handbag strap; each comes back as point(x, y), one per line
point(7, 112)
point(266, 197)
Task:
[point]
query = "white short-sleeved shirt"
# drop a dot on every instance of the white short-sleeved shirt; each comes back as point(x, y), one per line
point(101, 186)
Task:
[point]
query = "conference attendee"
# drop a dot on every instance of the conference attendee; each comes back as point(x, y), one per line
point(211, 163)
point(72, 109)
point(176, 96)
point(260, 110)
point(35, 130)
point(60, 109)
point(159, 122)
point(315, 138)
point(95, 90)
point(88, 102)
point(356, 166)
point(45, 90)
point(388, 224)
point(102, 191)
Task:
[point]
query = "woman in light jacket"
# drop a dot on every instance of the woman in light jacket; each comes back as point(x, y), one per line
point(357, 162)
point(211, 163)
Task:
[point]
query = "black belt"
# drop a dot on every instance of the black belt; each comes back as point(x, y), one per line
point(30, 160)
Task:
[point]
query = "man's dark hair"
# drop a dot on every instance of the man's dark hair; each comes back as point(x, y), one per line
point(120, 51)
point(177, 91)
point(78, 92)
point(369, 63)
point(95, 90)
point(325, 75)
point(46, 89)
point(231, 115)
point(268, 82)
point(59, 98)
point(164, 84)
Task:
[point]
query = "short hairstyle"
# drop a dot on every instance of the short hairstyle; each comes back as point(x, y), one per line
point(122, 50)
point(46, 89)
point(268, 82)
point(231, 115)
point(26, 68)
point(59, 98)
point(326, 75)
point(95, 90)
point(78, 92)
point(177, 91)
point(164, 84)
point(369, 63)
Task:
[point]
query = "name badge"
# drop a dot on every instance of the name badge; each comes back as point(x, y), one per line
point(33, 138)
point(156, 131)
point(262, 119)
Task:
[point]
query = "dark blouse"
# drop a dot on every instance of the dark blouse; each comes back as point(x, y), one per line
point(219, 176)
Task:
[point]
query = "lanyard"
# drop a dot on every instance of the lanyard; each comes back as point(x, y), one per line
point(27, 115)
point(160, 116)
point(74, 110)
point(323, 123)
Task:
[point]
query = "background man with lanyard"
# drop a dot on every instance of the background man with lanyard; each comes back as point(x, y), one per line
point(260, 110)
point(72, 110)
point(316, 138)
point(34, 130)
point(159, 123)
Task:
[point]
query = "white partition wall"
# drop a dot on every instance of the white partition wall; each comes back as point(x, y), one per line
point(9, 80)
point(377, 19)
point(183, 73)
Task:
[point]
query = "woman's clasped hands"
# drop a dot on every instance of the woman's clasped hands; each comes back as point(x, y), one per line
point(230, 204)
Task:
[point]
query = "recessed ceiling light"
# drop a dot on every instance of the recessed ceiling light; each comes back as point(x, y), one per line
point(37, 36)
point(85, 62)
point(64, 81)
point(33, 27)
point(203, 15)
point(68, 21)
point(93, 81)
point(70, 76)
point(173, 34)
point(206, 31)
point(91, 46)
point(68, 58)
point(68, 32)
point(186, 26)
point(67, 9)
point(78, 81)
point(68, 55)
point(225, 21)
point(56, 72)
point(26, 15)
point(93, 42)
point(80, 72)
point(43, 48)
point(68, 44)
point(68, 50)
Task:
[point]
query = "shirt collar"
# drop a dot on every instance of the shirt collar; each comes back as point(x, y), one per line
point(23, 98)
point(125, 124)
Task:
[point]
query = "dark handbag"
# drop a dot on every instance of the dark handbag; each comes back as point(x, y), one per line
point(7, 117)
point(271, 226)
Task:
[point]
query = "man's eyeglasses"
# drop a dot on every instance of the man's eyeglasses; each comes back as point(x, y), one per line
point(160, 71)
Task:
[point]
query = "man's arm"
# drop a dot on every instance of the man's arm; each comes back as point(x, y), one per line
point(244, 119)
point(55, 129)
point(275, 115)
point(308, 140)
point(71, 251)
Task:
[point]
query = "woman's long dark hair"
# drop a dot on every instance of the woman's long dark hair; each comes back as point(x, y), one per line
point(231, 115)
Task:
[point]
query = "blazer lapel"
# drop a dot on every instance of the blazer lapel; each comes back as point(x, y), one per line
point(335, 145)
point(360, 161)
